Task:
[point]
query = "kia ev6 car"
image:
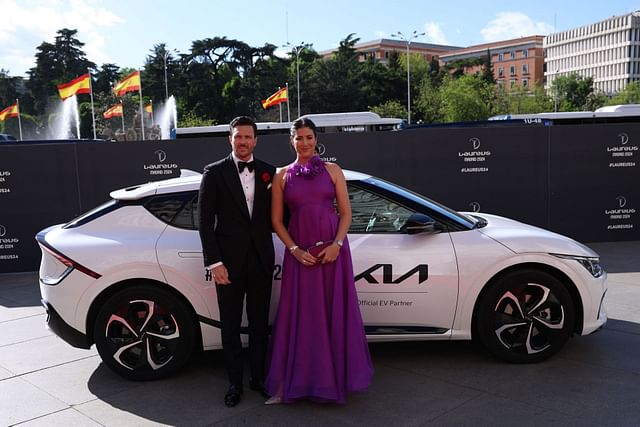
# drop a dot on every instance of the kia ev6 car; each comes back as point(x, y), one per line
point(128, 276)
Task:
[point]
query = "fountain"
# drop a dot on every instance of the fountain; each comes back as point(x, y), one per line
point(167, 116)
point(66, 114)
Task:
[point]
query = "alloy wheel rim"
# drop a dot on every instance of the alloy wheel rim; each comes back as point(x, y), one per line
point(142, 334)
point(528, 318)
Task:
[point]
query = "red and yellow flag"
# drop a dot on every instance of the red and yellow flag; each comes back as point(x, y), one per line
point(10, 111)
point(115, 111)
point(78, 85)
point(131, 83)
point(148, 108)
point(280, 96)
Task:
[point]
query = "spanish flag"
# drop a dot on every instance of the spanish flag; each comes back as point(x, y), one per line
point(10, 111)
point(148, 108)
point(78, 85)
point(115, 111)
point(280, 96)
point(131, 83)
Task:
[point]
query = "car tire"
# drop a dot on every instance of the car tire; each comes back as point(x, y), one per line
point(144, 333)
point(525, 316)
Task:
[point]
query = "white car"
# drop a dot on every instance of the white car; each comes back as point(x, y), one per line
point(129, 277)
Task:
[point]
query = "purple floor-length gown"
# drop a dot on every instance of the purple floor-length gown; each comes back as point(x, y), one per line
point(318, 348)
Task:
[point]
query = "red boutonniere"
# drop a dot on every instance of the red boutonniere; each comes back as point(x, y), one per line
point(266, 178)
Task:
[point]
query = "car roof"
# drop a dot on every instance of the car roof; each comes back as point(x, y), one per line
point(188, 181)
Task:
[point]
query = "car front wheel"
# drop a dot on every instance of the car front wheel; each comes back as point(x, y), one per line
point(525, 316)
point(144, 333)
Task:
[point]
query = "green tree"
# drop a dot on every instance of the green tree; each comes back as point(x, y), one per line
point(8, 88)
point(429, 102)
point(154, 73)
point(390, 109)
point(56, 63)
point(105, 78)
point(464, 99)
point(572, 91)
point(487, 69)
point(629, 95)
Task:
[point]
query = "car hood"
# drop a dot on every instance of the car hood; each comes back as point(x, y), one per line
point(523, 238)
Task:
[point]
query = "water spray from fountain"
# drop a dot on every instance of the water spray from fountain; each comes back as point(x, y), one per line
point(67, 113)
point(168, 117)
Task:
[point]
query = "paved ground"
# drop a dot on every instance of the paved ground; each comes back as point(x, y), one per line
point(595, 380)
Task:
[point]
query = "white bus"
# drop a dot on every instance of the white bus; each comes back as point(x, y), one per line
point(609, 114)
point(364, 121)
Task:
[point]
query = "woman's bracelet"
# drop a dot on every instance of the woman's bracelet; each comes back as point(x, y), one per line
point(293, 248)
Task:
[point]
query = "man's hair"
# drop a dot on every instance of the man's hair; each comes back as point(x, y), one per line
point(303, 122)
point(243, 121)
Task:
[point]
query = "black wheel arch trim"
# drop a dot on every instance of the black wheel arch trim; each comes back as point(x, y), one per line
point(558, 274)
point(114, 288)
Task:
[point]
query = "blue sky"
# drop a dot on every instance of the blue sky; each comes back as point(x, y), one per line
point(123, 32)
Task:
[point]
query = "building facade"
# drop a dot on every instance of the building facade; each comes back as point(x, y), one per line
point(608, 51)
point(516, 62)
point(381, 50)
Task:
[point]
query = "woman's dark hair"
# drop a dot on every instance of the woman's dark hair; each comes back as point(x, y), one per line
point(303, 122)
point(243, 121)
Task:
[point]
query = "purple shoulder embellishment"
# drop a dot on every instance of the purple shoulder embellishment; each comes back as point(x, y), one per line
point(313, 167)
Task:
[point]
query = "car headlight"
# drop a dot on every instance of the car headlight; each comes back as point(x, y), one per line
point(592, 264)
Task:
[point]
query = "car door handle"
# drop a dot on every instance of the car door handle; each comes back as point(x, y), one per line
point(190, 254)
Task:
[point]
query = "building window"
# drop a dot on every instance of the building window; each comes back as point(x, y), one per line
point(525, 83)
point(512, 84)
point(525, 68)
point(513, 54)
point(525, 53)
point(500, 72)
point(500, 57)
point(512, 70)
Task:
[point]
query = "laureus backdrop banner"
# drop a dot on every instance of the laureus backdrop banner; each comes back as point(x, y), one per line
point(576, 180)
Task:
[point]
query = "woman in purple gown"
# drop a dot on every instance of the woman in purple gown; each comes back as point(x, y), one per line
point(318, 348)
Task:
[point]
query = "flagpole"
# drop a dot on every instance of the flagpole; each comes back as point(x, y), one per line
point(93, 113)
point(288, 109)
point(280, 106)
point(122, 116)
point(141, 108)
point(19, 121)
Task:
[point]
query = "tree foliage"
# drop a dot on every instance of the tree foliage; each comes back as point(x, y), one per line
point(219, 78)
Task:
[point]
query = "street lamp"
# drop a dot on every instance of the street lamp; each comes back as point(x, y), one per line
point(408, 40)
point(296, 50)
point(165, 56)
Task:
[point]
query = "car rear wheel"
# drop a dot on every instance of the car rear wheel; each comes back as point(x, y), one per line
point(144, 333)
point(525, 317)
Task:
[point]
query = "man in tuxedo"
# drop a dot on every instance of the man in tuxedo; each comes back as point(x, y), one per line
point(235, 229)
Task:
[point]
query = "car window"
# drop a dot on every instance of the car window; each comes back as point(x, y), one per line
point(188, 215)
point(372, 213)
point(166, 207)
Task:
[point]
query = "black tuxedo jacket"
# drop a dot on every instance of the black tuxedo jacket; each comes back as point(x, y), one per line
point(226, 228)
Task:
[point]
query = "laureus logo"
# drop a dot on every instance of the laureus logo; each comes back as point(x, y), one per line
point(3, 230)
point(622, 201)
point(475, 206)
point(320, 148)
point(161, 155)
point(475, 142)
point(623, 138)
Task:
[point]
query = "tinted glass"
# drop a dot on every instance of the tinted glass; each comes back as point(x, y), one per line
point(372, 213)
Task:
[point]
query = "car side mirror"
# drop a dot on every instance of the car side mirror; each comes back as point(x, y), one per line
point(420, 223)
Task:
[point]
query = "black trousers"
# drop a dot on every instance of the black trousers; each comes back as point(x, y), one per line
point(254, 283)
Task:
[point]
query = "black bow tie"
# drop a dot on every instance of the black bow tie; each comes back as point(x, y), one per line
point(249, 165)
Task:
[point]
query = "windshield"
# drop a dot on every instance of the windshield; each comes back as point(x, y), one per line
point(462, 219)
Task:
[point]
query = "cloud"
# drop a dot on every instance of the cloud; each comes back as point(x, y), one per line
point(26, 24)
point(511, 25)
point(434, 33)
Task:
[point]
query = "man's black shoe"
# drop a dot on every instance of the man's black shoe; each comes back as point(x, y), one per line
point(256, 386)
point(232, 398)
